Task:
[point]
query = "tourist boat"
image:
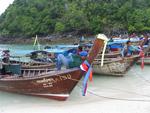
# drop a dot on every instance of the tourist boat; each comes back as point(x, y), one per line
point(32, 60)
point(114, 66)
point(48, 83)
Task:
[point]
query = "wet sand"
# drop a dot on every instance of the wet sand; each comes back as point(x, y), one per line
point(106, 94)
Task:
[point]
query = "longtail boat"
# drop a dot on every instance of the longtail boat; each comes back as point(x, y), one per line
point(35, 59)
point(49, 83)
point(115, 66)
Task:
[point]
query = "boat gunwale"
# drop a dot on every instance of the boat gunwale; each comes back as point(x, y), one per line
point(111, 60)
point(42, 75)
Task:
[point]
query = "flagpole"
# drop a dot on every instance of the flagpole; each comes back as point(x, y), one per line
point(36, 42)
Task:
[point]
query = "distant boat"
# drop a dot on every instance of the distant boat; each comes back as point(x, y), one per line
point(48, 83)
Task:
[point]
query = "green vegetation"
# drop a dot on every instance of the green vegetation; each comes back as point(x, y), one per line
point(26, 18)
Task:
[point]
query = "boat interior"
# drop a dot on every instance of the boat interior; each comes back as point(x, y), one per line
point(14, 69)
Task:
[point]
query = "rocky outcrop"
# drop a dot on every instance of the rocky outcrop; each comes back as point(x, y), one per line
point(71, 37)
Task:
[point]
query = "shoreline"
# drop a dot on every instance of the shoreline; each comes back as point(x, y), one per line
point(66, 38)
point(40, 40)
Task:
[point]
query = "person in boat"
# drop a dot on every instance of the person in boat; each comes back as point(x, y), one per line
point(5, 60)
point(79, 50)
point(5, 56)
point(72, 60)
point(129, 49)
point(146, 41)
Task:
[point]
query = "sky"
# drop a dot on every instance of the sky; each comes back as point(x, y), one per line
point(4, 4)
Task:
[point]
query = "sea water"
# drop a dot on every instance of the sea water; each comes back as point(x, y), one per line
point(105, 94)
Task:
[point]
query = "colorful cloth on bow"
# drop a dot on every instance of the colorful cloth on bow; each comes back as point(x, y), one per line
point(85, 66)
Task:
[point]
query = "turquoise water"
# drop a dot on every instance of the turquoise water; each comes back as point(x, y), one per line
point(106, 94)
point(14, 48)
point(24, 49)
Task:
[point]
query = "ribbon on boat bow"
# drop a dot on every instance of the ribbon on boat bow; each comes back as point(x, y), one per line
point(142, 59)
point(85, 66)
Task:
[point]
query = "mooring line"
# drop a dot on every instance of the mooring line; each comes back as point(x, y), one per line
point(141, 77)
point(114, 98)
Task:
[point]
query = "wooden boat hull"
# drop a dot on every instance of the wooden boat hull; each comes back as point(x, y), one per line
point(111, 55)
point(49, 83)
point(116, 67)
point(53, 85)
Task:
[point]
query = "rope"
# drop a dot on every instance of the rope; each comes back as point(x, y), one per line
point(141, 77)
point(129, 92)
point(93, 93)
point(115, 98)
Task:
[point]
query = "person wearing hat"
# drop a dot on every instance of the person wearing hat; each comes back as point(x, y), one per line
point(72, 60)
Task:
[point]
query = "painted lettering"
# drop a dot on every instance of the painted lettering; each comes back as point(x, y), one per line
point(48, 82)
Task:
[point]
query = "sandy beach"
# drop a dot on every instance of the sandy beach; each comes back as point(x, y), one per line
point(106, 94)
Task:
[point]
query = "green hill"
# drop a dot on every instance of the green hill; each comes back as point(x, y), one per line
point(26, 18)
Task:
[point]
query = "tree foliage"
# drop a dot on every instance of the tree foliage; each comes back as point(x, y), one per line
point(26, 18)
